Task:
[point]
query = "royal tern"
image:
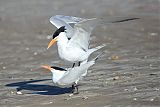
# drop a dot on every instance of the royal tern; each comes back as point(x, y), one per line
point(73, 42)
point(69, 76)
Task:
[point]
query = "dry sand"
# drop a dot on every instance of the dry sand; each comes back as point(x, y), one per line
point(130, 80)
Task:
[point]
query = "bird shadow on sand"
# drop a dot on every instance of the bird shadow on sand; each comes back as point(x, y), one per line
point(38, 88)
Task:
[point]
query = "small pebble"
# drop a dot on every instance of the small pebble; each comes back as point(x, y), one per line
point(151, 99)
point(135, 89)
point(150, 65)
point(145, 57)
point(137, 52)
point(116, 78)
point(35, 53)
point(134, 99)
point(70, 95)
point(114, 57)
point(157, 89)
point(27, 49)
point(12, 92)
point(85, 98)
point(126, 90)
point(19, 92)
point(3, 67)
point(153, 34)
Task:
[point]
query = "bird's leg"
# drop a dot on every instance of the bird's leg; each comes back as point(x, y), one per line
point(79, 63)
point(73, 88)
point(77, 92)
point(73, 65)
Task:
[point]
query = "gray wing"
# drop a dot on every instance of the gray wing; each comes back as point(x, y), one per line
point(74, 74)
point(69, 19)
point(82, 32)
point(61, 20)
point(83, 29)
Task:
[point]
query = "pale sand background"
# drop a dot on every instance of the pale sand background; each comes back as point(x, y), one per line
point(131, 81)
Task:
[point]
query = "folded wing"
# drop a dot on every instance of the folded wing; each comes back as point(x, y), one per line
point(74, 74)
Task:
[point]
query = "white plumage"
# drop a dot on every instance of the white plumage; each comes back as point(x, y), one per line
point(74, 49)
point(69, 76)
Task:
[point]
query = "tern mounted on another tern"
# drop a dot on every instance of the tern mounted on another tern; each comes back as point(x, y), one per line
point(73, 42)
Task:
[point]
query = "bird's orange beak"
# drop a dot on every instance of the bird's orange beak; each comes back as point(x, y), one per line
point(52, 42)
point(46, 67)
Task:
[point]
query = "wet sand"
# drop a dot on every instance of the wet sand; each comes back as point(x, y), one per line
point(127, 75)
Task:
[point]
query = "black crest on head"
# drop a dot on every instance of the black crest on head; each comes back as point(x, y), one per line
point(58, 31)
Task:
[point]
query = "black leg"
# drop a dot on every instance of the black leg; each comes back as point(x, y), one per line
point(73, 65)
point(79, 63)
point(73, 88)
point(77, 92)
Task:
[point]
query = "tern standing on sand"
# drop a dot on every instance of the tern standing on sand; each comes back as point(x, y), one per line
point(70, 76)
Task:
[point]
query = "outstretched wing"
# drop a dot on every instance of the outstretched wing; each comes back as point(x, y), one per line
point(61, 20)
point(82, 32)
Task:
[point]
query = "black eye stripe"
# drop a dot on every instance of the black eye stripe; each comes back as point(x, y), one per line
point(58, 31)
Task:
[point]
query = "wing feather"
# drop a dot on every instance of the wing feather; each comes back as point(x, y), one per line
point(61, 20)
point(82, 32)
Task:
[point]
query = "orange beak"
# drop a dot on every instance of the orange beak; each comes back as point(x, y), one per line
point(46, 67)
point(52, 42)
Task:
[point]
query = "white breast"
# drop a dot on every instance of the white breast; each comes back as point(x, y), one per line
point(57, 75)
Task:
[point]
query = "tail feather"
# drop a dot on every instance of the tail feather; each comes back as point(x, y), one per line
point(84, 62)
point(97, 57)
point(89, 63)
point(95, 49)
point(99, 47)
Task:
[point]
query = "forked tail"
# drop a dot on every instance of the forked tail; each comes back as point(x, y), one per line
point(96, 48)
point(99, 47)
point(97, 57)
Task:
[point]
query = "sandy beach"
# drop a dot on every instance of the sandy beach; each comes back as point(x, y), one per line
point(127, 75)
